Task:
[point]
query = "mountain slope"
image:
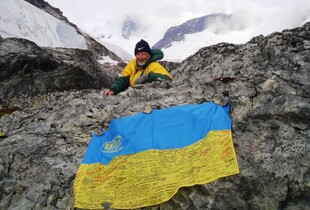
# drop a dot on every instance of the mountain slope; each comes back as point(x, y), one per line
point(21, 19)
point(44, 137)
point(177, 33)
point(37, 21)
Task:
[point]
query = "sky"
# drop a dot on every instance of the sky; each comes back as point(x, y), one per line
point(104, 18)
point(96, 16)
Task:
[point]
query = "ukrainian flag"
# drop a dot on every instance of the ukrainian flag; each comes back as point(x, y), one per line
point(143, 160)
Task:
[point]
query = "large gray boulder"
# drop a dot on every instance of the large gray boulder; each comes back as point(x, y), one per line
point(267, 82)
point(28, 69)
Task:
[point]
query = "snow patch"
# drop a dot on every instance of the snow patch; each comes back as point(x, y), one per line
point(107, 59)
point(23, 20)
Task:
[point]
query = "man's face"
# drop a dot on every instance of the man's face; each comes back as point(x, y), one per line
point(142, 57)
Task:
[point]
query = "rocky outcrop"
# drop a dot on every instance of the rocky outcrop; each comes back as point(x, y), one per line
point(267, 82)
point(49, 9)
point(31, 70)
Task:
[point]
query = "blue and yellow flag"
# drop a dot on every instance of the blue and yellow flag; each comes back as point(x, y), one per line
point(143, 160)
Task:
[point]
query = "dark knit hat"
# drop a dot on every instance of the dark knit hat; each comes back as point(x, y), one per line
point(142, 46)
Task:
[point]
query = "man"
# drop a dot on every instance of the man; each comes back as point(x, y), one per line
point(144, 68)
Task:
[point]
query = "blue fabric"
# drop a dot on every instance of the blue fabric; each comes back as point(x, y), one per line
point(168, 128)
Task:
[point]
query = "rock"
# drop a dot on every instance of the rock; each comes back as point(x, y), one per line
point(31, 70)
point(266, 80)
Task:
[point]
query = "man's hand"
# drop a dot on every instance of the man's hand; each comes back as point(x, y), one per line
point(109, 93)
point(142, 79)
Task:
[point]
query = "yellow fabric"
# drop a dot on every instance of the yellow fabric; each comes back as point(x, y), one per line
point(135, 72)
point(154, 176)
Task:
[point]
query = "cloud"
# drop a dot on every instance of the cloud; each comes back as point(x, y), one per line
point(153, 18)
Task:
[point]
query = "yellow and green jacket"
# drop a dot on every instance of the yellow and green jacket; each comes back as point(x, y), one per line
point(133, 71)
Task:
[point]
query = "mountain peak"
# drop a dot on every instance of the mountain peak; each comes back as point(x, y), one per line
point(177, 33)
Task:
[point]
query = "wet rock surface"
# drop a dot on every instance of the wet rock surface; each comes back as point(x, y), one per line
point(267, 81)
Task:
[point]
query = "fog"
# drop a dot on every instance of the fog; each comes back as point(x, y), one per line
point(153, 18)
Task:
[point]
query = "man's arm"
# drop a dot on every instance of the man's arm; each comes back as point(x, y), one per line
point(121, 84)
point(155, 76)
